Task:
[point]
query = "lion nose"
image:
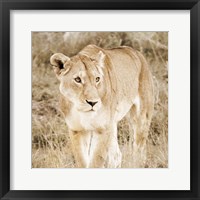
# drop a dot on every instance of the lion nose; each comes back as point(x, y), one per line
point(92, 103)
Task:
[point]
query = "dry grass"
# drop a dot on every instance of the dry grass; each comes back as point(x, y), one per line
point(51, 146)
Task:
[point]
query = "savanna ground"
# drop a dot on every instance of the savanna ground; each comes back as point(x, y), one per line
point(51, 147)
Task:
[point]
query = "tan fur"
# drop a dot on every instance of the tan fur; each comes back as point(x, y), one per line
point(125, 89)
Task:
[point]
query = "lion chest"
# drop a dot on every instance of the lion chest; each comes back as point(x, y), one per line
point(79, 121)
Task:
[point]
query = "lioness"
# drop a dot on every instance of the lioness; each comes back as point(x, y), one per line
point(98, 88)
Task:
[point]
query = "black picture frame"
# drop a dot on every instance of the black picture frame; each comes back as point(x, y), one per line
point(7, 5)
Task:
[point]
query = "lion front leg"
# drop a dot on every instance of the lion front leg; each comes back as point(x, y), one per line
point(80, 146)
point(106, 152)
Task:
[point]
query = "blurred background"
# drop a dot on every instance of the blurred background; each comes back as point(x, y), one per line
point(51, 147)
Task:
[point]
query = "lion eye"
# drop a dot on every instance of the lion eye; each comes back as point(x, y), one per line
point(97, 79)
point(78, 79)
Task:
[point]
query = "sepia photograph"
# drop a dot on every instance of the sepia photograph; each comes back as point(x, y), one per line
point(99, 99)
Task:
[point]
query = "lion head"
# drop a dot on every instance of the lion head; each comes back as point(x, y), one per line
point(81, 79)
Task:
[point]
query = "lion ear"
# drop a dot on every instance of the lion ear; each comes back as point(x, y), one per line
point(58, 60)
point(100, 59)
